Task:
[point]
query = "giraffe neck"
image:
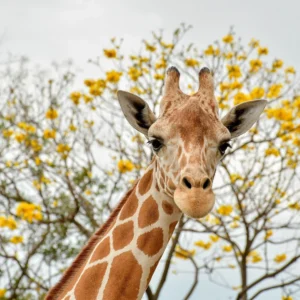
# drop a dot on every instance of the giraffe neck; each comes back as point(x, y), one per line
point(121, 261)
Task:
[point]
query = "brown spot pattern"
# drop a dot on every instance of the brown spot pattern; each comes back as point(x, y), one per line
point(145, 183)
point(90, 282)
point(123, 283)
point(130, 207)
point(102, 250)
point(149, 213)
point(122, 235)
point(151, 242)
point(167, 207)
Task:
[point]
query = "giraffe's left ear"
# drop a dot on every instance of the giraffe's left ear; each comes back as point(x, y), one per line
point(241, 117)
point(136, 111)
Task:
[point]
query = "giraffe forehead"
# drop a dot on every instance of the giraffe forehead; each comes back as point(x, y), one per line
point(192, 122)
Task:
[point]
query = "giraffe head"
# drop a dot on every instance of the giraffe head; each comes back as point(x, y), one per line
point(188, 138)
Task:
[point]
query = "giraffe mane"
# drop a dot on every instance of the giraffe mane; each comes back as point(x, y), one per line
point(86, 251)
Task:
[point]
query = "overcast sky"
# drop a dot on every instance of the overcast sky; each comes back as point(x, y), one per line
point(56, 30)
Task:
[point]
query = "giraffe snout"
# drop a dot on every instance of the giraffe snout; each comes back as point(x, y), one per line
point(189, 182)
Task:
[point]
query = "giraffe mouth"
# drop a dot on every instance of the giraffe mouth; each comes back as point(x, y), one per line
point(196, 203)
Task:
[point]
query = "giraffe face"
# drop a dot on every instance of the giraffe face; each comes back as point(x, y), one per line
point(188, 144)
point(188, 138)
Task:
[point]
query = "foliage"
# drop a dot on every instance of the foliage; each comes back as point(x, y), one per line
point(67, 156)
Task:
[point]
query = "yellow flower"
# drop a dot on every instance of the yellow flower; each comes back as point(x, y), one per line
point(286, 298)
point(125, 166)
point(269, 233)
point(134, 73)
point(240, 98)
point(17, 239)
point(280, 258)
point(191, 62)
point(236, 85)
point(262, 50)
point(212, 51)
point(235, 177)
point(87, 98)
point(75, 97)
point(282, 114)
point(228, 55)
point(72, 127)
point(294, 205)
point(203, 245)
point(214, 238)
point(20, 137)
point(8, 222)
point(254, 43)
point(36, 146)
point(49, 134)
point(255, 65)
point(225, 210)
point(2, 292)
point(89, 82)
point(272, 151)
point(168, 46)
point(184, 254)
point(227, 248)
point(51, 114)
point(113, 76)
point(110, 53)
point(7, 133)
point(278, 63)
point(62, 148)
point(290, 70)
point(29, 211)
point(274, 90)
point(234, 71)
point(88, 192)
point(224, 86)
point(255, 257)
point(242, 57)
point(228, 39)
point(150, 48)
point(257, 93)
point(161, 64)
point(159, 76)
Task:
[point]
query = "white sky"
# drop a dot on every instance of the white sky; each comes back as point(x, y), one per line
point(56, 30)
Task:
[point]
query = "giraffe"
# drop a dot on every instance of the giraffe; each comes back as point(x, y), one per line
point(188, 140)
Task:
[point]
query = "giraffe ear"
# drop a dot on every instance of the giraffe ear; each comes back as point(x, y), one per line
point(241, 117)
point(136, 111)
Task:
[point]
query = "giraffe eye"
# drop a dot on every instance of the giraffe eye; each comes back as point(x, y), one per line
point(223, 147)
point(156, 144)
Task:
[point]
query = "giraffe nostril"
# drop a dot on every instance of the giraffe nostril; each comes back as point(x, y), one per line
point(206, 184)
point(187, 183)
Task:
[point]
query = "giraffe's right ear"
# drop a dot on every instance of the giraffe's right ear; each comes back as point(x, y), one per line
point(136, 111)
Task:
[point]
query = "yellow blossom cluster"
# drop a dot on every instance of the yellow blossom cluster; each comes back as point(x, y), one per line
point(211, 50)
point(125, 166)
point(2, 293)
point(110, 53)
point(184, 254)
point(29, 212)
point(279, 258)
point(191, 62)
point(51, 114)
point(113, 76)
point(225, 210)
point(49, 134)
point(202, 244)
point(8, 222)
point(17, 239)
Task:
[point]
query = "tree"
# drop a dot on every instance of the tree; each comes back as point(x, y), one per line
point(67, 156)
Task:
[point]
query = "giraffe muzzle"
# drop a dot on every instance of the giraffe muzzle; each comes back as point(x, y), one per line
point(194, 198)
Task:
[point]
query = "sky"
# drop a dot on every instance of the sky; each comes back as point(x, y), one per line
point(56, 30)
